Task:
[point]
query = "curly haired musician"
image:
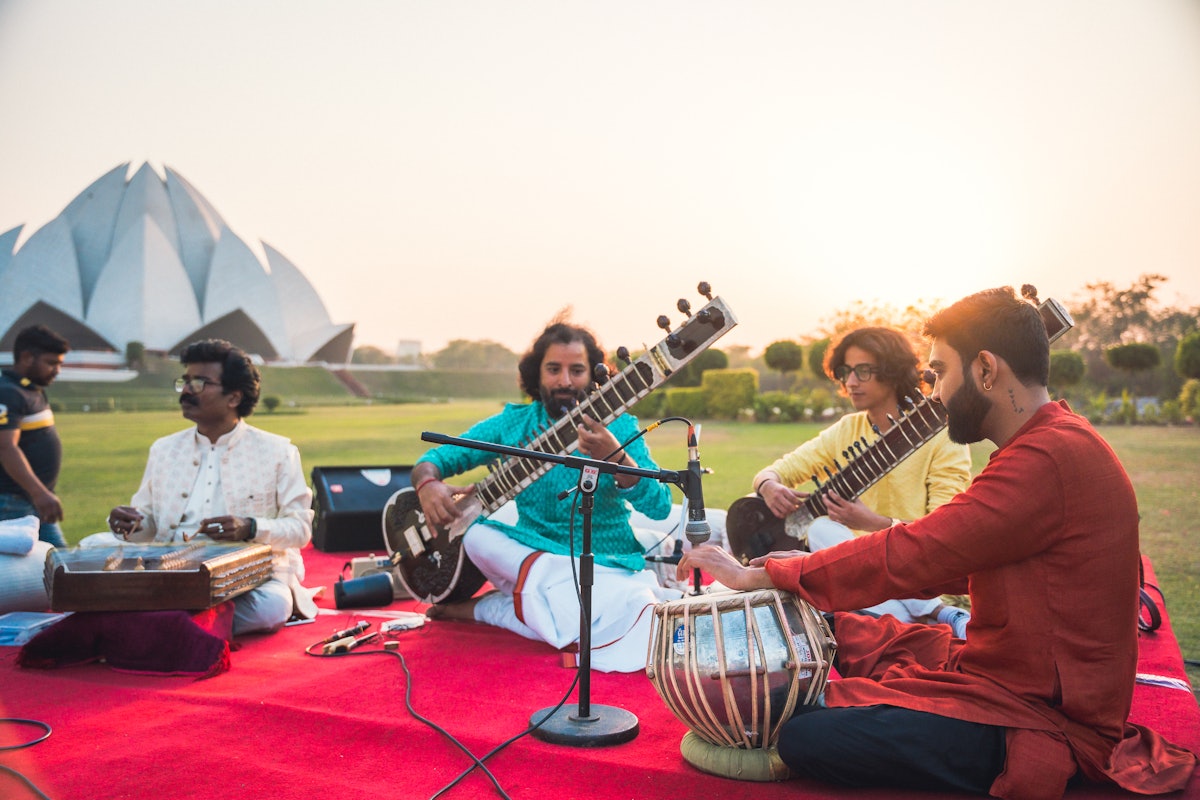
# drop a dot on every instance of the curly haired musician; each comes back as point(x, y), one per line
point(227, 481)
point(877, 369)
point(528, 563)
point(1046, 541)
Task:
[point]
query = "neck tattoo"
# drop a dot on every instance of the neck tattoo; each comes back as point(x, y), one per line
point(1012, 396)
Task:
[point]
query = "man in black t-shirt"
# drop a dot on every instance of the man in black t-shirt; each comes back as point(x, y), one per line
point(30, 450)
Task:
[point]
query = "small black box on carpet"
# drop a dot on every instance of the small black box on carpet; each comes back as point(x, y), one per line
point(348, 505)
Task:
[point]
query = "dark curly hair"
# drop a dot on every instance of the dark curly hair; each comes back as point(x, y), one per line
point(897, 359)
point(38, 339)
point(238, 373)
point(996, 320)
point(559, 331)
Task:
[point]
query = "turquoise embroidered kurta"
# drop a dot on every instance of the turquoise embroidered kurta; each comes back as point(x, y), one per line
point(545, 522)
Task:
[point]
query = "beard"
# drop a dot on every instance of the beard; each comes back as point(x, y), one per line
point(967, 410)
point(560, 401)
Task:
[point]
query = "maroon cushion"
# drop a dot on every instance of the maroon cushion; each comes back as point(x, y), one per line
point(156, 642)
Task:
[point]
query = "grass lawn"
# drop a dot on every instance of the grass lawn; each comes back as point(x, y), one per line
point(105, 454)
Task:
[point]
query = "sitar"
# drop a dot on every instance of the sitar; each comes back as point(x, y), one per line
point(429, 560)
point(753, 530)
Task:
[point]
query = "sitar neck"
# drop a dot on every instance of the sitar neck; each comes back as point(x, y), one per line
point(867, 462)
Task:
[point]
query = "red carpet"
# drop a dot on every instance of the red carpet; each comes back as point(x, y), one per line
point(281, 724)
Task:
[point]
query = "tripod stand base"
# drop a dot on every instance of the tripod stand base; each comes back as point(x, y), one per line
point(606, 726)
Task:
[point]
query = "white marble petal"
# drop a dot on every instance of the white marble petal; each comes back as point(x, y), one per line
point(199, 226)
point(236, 280)
point(91, 216)
point(43, 269)
point(144, 294)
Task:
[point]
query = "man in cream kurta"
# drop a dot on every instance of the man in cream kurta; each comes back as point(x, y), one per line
point(227, 481)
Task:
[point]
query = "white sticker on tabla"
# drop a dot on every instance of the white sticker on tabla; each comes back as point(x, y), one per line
point(804, 652)
point(679, 640)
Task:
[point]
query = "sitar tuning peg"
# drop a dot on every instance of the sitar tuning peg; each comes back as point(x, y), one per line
point(705, 289)
point(684, 307)
point(600, 373)
point(664, 322)
point(623, 354)
point(1029, 292)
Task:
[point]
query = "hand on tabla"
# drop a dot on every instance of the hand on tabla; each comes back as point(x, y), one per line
point(723, 567)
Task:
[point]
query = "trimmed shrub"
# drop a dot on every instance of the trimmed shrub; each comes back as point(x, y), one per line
point(1189, 399)
point(778, 407)
point(684, 401)
point(728, 391)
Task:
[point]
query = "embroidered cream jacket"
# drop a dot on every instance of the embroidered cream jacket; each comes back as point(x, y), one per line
point(261, 477)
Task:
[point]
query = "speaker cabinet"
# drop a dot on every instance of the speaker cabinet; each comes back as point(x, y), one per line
point(348, 505)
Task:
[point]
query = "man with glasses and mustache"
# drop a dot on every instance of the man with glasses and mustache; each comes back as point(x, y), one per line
point(226, 481)
point(529, 563)
point(1045, 540)
point(877, 369)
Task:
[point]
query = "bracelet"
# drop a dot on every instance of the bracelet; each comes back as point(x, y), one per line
point(253, 529)
point(758, 489)
point(421, 484)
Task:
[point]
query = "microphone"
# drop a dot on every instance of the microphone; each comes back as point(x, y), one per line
point(697, 529)
point(354, 631)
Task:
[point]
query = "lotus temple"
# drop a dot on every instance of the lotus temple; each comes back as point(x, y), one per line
point(146, 259)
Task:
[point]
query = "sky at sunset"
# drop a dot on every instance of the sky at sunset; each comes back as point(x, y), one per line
point(464, 169)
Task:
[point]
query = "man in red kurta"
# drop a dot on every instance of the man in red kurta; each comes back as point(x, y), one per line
point(1045, 542)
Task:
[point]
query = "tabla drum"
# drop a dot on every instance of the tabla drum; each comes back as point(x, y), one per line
point(733, 666)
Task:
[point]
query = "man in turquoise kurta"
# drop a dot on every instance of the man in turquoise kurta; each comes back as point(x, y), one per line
point(529, 563)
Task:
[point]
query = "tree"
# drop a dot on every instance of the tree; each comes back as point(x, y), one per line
point(1067, 368)
point(135, 355)
point(784, 356)
point(1133, 357)
point(1187, 356)
point(369, 354)
point(693, 372)
point(271, 402)
point(816, 357)
point(484, 354)
point(1112, 316)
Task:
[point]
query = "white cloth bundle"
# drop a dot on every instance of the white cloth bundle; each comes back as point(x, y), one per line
point(17, 536)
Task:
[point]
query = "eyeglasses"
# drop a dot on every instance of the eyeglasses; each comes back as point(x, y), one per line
point(193, 385)
point(864, 372)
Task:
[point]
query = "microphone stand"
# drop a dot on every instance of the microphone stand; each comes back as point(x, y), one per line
point(590, 726)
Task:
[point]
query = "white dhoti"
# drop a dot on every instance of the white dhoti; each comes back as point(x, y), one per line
point(537, 599)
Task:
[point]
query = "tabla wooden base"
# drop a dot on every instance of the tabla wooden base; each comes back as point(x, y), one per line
point(739, 763)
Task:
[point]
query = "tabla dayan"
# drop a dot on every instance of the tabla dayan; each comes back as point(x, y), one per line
point(732, 666)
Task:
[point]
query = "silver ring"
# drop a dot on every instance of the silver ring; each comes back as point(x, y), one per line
point(220, 528)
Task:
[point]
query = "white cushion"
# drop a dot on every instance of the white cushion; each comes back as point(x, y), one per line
point(21, 580)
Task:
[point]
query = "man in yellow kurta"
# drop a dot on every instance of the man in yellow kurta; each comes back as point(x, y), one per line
point(877, 368)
